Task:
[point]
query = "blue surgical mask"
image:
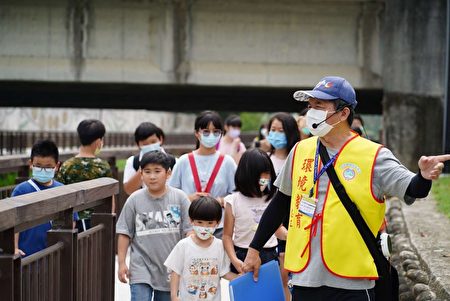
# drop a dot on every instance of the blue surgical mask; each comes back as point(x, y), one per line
point(209, 141)
point(277, 139)
point(43, 175)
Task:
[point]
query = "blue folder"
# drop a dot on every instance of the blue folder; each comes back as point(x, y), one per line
point(268, 288)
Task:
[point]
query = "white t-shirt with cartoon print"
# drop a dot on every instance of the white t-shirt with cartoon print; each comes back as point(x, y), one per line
point(200, 269)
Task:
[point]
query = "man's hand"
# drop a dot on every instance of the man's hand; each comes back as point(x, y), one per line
point(252, 262)
point(431, 167)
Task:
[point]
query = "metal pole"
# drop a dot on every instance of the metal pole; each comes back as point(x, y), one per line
point(446, 131)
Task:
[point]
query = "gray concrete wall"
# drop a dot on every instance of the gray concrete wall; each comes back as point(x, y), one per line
point(413, 77)
point(66, 120)
point(226, 42)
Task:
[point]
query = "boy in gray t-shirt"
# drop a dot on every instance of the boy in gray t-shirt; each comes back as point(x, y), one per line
point(153, 220)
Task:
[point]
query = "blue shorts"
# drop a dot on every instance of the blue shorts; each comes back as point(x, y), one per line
point(144, 292)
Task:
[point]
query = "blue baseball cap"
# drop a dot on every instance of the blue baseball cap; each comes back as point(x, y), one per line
point(330, 88)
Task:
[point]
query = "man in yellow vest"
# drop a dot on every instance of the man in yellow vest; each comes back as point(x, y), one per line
point(328, 258)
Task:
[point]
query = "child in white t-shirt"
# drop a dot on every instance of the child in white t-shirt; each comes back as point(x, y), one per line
point(244, 208)
point(199, 261)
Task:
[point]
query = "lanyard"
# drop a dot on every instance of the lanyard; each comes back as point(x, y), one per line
point(317, 175)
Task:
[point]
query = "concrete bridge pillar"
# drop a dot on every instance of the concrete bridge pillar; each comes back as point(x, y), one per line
point(413, 77)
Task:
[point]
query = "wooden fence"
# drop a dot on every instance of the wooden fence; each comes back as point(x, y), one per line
point(74, 266)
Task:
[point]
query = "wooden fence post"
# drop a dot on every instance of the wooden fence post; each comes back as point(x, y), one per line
point(68, 265)
point(10, 268)
point(108, 258)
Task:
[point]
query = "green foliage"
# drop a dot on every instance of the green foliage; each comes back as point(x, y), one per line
point(121, 164)
point(8, 179)
point(252, 121)
point(441, 192)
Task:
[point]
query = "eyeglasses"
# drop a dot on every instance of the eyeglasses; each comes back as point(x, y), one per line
point(206, 133)
point(46, 169)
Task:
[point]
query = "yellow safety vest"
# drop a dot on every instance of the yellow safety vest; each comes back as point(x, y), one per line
point(344, 252)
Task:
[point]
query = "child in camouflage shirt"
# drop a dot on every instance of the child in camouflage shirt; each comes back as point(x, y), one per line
point(86, 165)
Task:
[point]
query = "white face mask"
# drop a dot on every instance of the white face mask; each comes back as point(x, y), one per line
point(263, 183)
point(204, 232)
point(318, 117)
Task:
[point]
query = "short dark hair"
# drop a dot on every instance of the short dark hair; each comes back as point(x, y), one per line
point(205, 208)
point(45, 148)
point(233, 120)
point(147, 129)
point(155, 157)
point(172, 160)
point(251, 165)
point(90, 130)
point(340, 105)
point(290, 128)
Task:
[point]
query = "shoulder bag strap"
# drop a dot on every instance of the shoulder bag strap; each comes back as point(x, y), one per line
point(136, 162)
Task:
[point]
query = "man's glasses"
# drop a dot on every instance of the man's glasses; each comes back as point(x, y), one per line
point(46, 169)
point(206, 133)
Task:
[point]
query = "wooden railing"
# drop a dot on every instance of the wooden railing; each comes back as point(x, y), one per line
point(74, 266)
point(15, 142)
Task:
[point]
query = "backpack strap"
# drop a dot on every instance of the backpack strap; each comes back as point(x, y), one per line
point(31, 182)
point(214, 173)
point(136, 162)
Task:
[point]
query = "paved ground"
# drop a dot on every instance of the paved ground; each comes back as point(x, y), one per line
point(429, 232)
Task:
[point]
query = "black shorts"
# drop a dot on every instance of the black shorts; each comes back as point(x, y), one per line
point(326, 293)
point(281, 246)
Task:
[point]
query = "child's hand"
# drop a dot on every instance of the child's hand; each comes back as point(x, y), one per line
point(18, 251)
point(123, 273)
point(237, 263)
point(175, 299)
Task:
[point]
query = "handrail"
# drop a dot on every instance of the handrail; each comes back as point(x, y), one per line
point(43, 253)
point(30, 209)
point(13, 161)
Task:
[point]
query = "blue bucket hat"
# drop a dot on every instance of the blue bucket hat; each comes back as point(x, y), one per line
point(330, 88)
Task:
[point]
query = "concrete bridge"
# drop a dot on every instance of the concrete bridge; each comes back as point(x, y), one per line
point(187, 55)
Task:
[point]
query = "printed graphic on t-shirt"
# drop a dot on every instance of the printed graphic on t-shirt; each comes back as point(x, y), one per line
point(156, 222)
point(203, 278)
point(257, 213)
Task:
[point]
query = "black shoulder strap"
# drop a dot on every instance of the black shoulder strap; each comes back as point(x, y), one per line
point(351, 208)
point(136, 162)
point(387, 287)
